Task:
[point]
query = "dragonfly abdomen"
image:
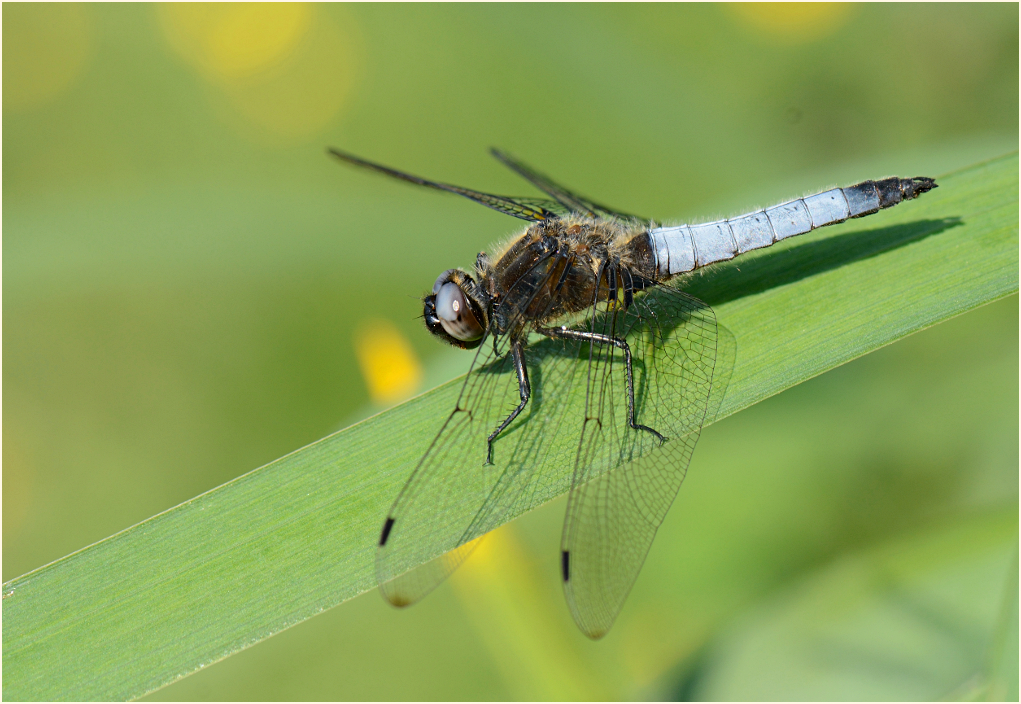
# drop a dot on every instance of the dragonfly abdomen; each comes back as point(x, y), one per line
point(687, 247)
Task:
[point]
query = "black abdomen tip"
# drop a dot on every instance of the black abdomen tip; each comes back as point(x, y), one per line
point(565, 564)
point(914, 187)
point(387, 527)
point(894, 190)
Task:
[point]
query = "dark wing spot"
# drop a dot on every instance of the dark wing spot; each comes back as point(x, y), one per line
point(387, 527)
point(565, 564)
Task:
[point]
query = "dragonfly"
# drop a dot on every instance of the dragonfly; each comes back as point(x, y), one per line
point(593, 373)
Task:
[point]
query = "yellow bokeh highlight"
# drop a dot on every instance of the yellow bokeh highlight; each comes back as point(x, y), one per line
point(792, 22)
point(390, 367)
point(286, 69)
point(46, 47)
point(522, 621)
point(234, 40)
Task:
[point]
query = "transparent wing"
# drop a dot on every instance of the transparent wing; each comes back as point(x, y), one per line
point(531, 209)
point(453, 497)
point(429, 522)
point(571, 201)
point(625, 479)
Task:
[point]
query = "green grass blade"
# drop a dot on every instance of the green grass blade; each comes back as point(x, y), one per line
point(278, 545)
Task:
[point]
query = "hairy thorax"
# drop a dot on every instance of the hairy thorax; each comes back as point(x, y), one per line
point(555, 269)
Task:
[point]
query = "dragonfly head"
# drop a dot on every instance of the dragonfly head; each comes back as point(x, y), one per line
point(455, 311)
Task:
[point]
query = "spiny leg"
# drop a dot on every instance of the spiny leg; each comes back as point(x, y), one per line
point(524, 390)
point(619, 343)
point(566, 258)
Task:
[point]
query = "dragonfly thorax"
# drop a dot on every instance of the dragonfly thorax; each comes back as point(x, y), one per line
point(561, 267)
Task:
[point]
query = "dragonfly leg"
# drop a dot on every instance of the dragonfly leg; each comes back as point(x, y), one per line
point(593, 337)
point(566, 260)
point(629, 288)
point(524, 389)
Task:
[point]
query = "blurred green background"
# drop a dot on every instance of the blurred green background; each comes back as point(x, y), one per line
point(190, 285)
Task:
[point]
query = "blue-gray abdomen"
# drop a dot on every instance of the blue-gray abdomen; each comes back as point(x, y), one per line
point(687, 247)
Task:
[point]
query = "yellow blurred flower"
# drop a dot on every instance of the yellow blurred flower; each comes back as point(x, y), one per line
point(523, 622)
point(792, 22)
point(286, 68)
point(390, 367)
point(234, 40)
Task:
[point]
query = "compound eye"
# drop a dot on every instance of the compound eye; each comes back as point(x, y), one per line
point(455, 315)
